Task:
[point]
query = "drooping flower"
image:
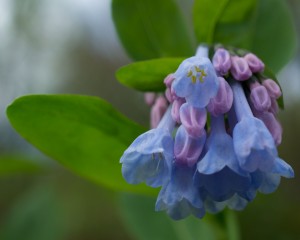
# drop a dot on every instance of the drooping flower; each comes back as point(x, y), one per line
point(196, 81)
point(204, 166)
point(149, 157)
point(218, 172)
point(179, 197)
point(253, 143)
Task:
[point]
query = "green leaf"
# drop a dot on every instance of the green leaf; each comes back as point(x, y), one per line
point(85, 134)
point(148, 75)
point(248, 24)
point(206, 14)
point(223, 21)
point(11, 165)
point(152, 28)
point(274, 37)
point(145, 224)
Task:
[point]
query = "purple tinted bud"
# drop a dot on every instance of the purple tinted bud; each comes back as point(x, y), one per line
point(168, 80)
point(222, 61)
point(259, 97)
point(193, 119)
point(272, 124)
point(159, 108)
point(173, 94)
point(186, 148)
point(255, 64)
point(272, 88)
point(168, 95)
point(175, 109)
point(240, 69)
point(222, 102)
point(149, 98)
point(274, 106)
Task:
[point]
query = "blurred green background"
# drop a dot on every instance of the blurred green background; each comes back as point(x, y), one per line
point(71, 46)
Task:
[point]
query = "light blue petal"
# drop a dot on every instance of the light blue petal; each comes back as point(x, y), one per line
point(148, 158)
point(213, 206)
point(270, 183)
point(237, 203)
point(198, 94)
point(220, 154)
point(179, 197)
point(222, 185)
point(283, 169)
point(182, 86)
point(254, 146)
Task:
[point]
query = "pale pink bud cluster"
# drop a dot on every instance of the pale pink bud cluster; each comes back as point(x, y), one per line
point(264, 105)
point(241, 68)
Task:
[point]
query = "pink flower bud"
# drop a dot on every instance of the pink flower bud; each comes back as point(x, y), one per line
point(187, 149)
point(240, 69)
point(274, 106)
point(222, 102)
point(157, 111)
point(272, 88)
point(254, 63)
point(149, 98)
point(260, 98)
point(176, 109)
point(168, 80)
point(222, 61)
point(193, 119)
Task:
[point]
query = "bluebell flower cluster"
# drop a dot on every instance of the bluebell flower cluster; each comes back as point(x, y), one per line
point(204, 166)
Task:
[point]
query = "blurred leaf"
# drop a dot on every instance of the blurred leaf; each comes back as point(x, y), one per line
point(206, 14)
point(264, 27)
point(85, 134)
point(35, 216)
point(223, 21)
point(274, 37)
point(11, 165)
point(151, 28)
point(145, 224)
point(148, 75)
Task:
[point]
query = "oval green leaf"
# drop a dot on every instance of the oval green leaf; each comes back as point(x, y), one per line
point(85, 134)
point(274, 35)
point(148, 76)
point(152, 28)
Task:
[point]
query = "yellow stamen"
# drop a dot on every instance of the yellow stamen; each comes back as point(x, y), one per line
point(194, 79)
point(197, 69)
point(203, 74)
point(190, 73)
